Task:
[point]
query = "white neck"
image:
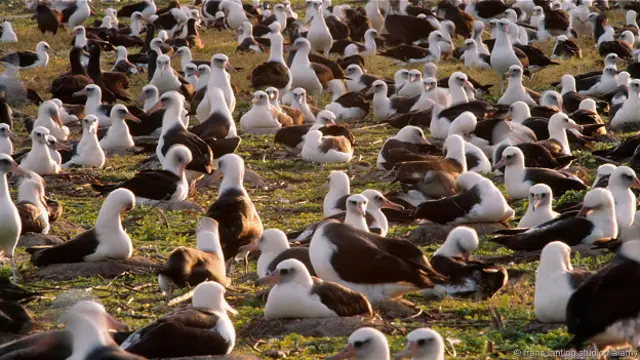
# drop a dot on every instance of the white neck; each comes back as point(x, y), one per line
point(560, 135)
point(86, 337)
point(605, 221)
point(275, 54)
point(4, 188)
point(231, 181)
point(568, 86)
point(457, 153)
point(172, 117)
point(356, 220)
point(458, 95)
point(302, 57)
point(93, 102)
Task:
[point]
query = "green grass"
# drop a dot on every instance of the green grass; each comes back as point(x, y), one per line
point(290, 199)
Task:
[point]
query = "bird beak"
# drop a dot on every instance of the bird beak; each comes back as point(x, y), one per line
point(53, 51)
point(56, 118)
point(635, 183)
point(114, 324)
point(309, 21)
point(347, 353)
point(423, 140)
point(537, 200)
point(128, 116)
point(500, 164)
point(362, 209)
point(576, 126)
point(386, 204)
point(80, 93)
point(469, 86)
point(411, 351)
point(61, 146)
point(16, 169)
point(11, 134)
point(248, 248)
point(583, 211)
point(270, 279)
point(369, 92)
point(163, 68)
point(216, 175)
point(230, 67)
point(140, 98)
point(157, 106)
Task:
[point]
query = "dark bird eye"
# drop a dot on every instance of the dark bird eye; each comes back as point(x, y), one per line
point(358, 344)
point(566, 120)
point(284, 271)
point(421, 342)
point(353, 202)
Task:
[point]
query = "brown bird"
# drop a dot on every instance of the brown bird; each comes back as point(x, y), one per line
point(48, 19)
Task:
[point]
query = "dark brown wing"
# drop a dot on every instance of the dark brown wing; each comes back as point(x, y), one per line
point(606, 298)
point(376, 264)
point(338, 130)
point(448, 209)
point(195, 328)
point(202, 154)
point(291, 136)
point(299, 253)
point(72, 251)
point(323, 73)
point(30, 218)
point(270, 74)
point(579, 277)
point(238, 225)
point(343, 301)
point(338, 143)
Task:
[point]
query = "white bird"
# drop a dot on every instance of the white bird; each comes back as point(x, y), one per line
point(515, 90)
point(118, 136)
point(8, 35)
point(39, 159)
point(49, 117)
point(539, 208)
point(326, 149)
point(88, 153)
point(319, 35)
point(262, 117)
point(423, 344)
point(556, 281)
point(6, 146)
point(10, 224)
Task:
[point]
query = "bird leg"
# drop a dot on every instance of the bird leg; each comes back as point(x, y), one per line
point(229, 265)
point(14, 270)
point(246, 263)
point(168, 294)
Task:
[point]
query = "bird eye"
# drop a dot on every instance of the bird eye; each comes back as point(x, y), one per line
point(421, 342)
point(284, 271)
point(353, 202)
point(358, 344)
